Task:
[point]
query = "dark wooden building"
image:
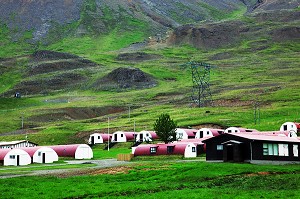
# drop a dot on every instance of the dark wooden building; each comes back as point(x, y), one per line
point(254, 148)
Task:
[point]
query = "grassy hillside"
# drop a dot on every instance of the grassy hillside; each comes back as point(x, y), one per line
point(255, 69)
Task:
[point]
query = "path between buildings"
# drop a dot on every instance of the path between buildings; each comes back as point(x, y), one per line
point(99, 164)
point(106, 163)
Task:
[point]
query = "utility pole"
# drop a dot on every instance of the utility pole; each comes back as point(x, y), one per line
point(256, 113)
point(22, 121)
point(129, 113)
point(134, 130)
point(108, 134)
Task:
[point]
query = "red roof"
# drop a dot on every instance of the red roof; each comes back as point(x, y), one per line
point(189, 132)
point(3, 153)
point(216, 132)
point(129, 135)
point(65, 150)
point(161, 149)
point(105, 137)
point(195, 141)
point(267, 137)
point(30, 150)
point(262, 137)
point(297, 125)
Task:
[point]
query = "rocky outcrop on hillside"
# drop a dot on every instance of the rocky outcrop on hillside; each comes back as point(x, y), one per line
point(228, 33)
point(38, 16)
point(267, 5)
point(125, 78)
point(56, 19)
point(50, 71)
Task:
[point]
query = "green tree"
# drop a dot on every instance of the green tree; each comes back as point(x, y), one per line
point(165, 128)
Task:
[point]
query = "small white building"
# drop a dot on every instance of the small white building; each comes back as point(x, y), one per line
point(291, 127)
point(185, 133)
point(14, 157)
point(121, 136)
point(190, 150)
point(239, 130)
point(207, 132)
point(99, 138)
point(41, 154)
point(146, 136)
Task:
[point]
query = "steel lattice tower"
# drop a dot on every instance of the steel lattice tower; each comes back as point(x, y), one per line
point(201, 94)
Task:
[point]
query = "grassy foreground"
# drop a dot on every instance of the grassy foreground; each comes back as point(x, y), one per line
point(165, 179)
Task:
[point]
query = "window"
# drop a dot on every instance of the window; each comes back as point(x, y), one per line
point(39, 153)
point(283, 149)
point(152, 150)
point(295, 150)
point(180, 135)
point(270, 149)
point(207, 132)
point(147, 134)
point(229, 131)
point(285, 127)
point(99, 137)
point(121, 135)
point(170, 149)
point(193, 149)
point(220, 147)
point(12, 157)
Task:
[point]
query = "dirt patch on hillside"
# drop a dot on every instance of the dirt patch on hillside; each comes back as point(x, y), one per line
point(75, 113)
point(60, 65)
point(125, 78)
point(43, 55)
point(221, 56)
point(286, 33)
point(275, 5)
point(232, 102)
point(209, 125)
point(208, 36)
point(138, 56)
point(277, 16)
point(47, 85)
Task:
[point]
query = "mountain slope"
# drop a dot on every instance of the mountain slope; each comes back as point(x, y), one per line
point(42, 17)
point(257, 59)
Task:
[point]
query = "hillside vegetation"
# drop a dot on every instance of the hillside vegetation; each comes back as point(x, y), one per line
point(72, 77)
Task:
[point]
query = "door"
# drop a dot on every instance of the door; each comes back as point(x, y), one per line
point(18, 160)
point(115, 137)
point(43, 157)
point(228, 153)
point(201, 134)
point(141, 137)
point(93, 140)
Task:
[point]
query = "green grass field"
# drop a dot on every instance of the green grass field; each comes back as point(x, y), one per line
point(165, 179)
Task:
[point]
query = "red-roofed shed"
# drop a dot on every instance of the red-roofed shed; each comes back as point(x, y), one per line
point(99, 138)
point(14, 157)
point(207, 132)
point(122, 136)
point(78, 151)
point(185, 133)
point(41, 154)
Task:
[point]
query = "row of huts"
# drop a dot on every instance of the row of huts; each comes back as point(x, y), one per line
point(289, 129)
point(23, 152)
point(232, 144)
